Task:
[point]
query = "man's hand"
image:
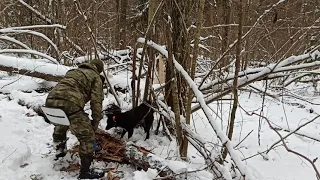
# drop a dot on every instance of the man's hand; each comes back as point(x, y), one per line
point(95, 125)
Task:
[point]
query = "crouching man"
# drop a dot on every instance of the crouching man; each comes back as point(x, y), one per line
point(70, 95)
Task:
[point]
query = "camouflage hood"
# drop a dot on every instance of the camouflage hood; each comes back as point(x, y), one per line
point(88, 66)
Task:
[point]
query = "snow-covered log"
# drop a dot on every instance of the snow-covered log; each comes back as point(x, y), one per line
point(34, 68)
point(261, 72)
point(265, 72)
point(47, 59)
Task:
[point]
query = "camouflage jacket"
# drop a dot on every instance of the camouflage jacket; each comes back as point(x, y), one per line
point(80, 86)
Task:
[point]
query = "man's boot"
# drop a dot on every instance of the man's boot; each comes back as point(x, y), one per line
point(85, 171)
point(61, 149)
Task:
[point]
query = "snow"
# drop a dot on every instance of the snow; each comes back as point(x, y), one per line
point(177, 166)
point(33, 65)
point(149, 175)
point(35, 26)
point(51, 60)
point(26, 140)
point(22, 83)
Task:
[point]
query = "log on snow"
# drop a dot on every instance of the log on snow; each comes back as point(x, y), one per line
point(33, 68)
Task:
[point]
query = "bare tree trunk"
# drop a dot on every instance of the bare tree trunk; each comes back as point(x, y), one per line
point(235, 81)
point(175, 98)
point(134, 77)
point(184, 150)
point(153, 4)
point(161, 69)
point(180, 16)
point(226, 9)
point(117, 24)
point(123, 23)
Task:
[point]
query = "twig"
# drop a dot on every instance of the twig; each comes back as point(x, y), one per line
point(261, 111)
point(297, 129)
point(264, 92)
point(312, 162)
point(162, 86)
point(170, 176)
point(9, 155)
point(18, 78)
point(243, 139)
point(259, 153)
point(303, 135)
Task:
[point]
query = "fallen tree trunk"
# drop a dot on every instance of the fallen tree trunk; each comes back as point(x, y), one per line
point(28, 67)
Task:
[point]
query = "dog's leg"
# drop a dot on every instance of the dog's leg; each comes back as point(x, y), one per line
point(123, 133)
point(148, 127)
point(130, 133)
point(148, 135)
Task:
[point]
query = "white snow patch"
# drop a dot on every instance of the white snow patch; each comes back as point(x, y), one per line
point(177, 166)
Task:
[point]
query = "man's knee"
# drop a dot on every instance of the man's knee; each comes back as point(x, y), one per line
point(81, 127)
point(86, 139)
point(60, 133)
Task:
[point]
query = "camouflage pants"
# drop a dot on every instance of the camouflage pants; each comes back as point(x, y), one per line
point(80, 126)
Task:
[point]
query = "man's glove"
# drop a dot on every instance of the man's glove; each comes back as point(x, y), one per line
point(95, 125)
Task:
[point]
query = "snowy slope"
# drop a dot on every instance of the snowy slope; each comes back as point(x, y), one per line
point(281, 165)
point(26, 142)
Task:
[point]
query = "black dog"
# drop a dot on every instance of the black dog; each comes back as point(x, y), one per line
point(140, 115)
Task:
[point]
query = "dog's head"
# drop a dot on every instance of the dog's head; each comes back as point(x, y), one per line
point(111, 122)
point(111, 112)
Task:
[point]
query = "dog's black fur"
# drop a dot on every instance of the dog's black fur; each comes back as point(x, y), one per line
point(140, 115)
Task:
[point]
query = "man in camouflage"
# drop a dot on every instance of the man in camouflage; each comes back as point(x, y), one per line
point(78, 87)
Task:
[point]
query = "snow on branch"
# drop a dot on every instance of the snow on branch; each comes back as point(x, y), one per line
point(235, 156)
point(8, 30)
point(35, 11)
point(253, 74)
point(43, 70)
point(291, 80)
point(47, 59)
point(35, 27)
point(264, 72)
point(13, 40)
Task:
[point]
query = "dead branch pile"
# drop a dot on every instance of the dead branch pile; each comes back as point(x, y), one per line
point(112, 149)
point(116, 150)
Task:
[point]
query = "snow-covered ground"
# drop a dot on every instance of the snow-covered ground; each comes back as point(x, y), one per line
point(26, 142)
